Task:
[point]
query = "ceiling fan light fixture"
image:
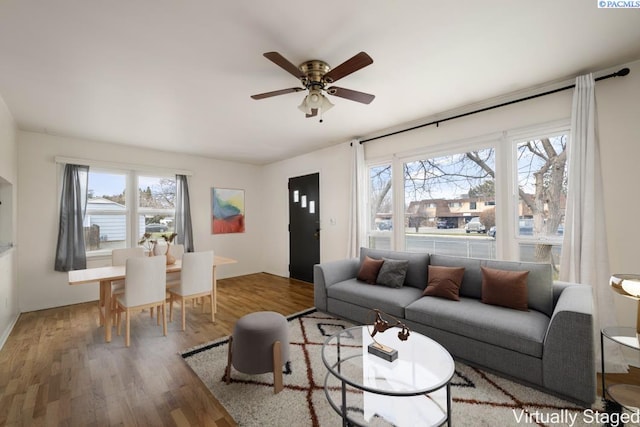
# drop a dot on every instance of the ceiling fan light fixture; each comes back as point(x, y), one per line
point(315, 100)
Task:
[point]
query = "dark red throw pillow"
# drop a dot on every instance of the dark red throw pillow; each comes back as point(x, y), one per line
point(369, 270)
point(505, 288)
point(444, 282)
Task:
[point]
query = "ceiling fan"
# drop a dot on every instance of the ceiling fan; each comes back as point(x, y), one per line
point(315, 76)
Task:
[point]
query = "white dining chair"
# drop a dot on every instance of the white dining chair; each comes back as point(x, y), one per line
point(119, 257)
point(196, 282)
point(145, 287)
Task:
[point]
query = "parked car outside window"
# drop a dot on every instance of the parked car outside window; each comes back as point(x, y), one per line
point(155, 228)
point(444, 223)
point(385, 224)
point(475, 225)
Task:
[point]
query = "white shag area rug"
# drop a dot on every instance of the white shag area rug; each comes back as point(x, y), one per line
point(478, 398)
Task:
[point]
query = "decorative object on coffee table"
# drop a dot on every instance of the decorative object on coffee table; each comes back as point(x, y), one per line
point(380, 325)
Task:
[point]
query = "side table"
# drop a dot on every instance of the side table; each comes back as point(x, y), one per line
point(626, 395)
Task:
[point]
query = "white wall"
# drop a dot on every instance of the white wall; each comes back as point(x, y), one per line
point(333, 166)
point(42, 287)
point(618, 103)
point(9, 308)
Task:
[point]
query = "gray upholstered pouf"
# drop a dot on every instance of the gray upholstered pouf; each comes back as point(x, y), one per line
point(253, 338)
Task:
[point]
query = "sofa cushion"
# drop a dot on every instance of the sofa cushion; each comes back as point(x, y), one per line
point(392, 272)
point(504, 288)
point(390, 300)
point(444, 282)
point(369, 269)
point(521, 331)
point(418, 262)
point(539, 281)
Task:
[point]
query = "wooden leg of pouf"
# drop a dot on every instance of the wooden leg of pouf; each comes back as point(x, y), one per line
point(227, 371)
point(277, 368)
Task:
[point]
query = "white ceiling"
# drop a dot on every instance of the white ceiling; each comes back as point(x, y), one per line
point(177, 75)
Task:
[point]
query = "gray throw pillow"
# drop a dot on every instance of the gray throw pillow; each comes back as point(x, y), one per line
point(392, 272)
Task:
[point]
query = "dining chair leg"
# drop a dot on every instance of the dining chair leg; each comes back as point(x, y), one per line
point(151, 312)
point(158, 315)
point(184, 313)
point(127, 338)
point(118, 321)
point(164, 320)
point(171, 307)
point(213, 312)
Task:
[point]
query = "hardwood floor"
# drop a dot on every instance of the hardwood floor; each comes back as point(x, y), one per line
point(56, 369)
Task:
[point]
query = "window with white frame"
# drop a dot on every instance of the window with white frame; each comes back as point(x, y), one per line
point(123, 205)
point(541, 183)
point(501, 198)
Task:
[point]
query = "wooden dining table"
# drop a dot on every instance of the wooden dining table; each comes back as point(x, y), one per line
point(105, 275)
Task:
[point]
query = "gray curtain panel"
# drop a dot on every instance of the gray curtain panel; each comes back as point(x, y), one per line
point(70, 253)
point(183, 214)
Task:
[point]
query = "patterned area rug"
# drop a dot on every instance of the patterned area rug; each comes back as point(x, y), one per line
point(478, 398)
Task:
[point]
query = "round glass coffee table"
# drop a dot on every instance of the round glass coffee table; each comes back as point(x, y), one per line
point(365, 389)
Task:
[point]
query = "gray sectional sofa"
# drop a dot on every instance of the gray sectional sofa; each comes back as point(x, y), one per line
point(549, 346)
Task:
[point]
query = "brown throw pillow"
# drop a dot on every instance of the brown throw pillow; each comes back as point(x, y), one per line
point(444, 282)
point(505, 288)
point(369, 270)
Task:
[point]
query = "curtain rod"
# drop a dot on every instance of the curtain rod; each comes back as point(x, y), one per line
point(621, 73)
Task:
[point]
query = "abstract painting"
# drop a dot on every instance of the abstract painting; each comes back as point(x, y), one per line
point(227, 211)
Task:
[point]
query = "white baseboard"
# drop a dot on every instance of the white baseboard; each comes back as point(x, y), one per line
point(7, 332)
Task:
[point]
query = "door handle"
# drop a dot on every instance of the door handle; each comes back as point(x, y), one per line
point(317, 234)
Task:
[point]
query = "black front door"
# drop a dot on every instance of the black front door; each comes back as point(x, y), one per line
point(304, 226)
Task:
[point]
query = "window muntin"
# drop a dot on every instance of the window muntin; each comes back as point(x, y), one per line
point(380, 229)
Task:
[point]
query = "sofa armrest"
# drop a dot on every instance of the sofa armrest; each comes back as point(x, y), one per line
point(568, 363)
point(330, 273)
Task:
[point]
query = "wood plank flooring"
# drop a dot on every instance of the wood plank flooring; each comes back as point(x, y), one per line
point(56, 369)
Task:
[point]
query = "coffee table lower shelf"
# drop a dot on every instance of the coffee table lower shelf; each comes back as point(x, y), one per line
point(363, 408)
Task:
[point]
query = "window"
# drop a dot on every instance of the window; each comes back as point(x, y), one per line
point(542, 194)
point(514, 184)
point(105, 221)
point(113, 203)
point(380, 207)
point(156, 204)
point(444, 182)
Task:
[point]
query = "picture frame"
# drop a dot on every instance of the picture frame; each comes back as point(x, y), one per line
point(227, 211)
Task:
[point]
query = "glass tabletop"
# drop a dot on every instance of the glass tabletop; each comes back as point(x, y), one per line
point(624, 335)
point(422, 365)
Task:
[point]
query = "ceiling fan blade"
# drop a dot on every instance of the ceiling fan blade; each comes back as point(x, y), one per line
point(277, 92)
point(284, 63)
point(351, 65)
point(353, 95)
point(314, 112)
